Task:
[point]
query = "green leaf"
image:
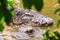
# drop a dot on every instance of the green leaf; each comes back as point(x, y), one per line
point(47, 37)
point(57, 34)
point(58, 24)
point(38, 4)
point(1, 24)
point(11, 3)
point(52, 38)
point(57, 12)
point(7, 14)
point(1, 27)
point(27, 4)
point(59, 1)
point(8, 17)
point(2, 20)
point(47, 33)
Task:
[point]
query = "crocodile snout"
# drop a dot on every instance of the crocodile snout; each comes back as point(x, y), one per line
point(44, 21)
point(47, 22)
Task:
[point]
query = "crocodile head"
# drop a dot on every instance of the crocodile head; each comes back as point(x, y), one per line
point(32, 17)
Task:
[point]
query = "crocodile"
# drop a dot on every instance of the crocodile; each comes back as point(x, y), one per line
point(31, 16)
point(26, 26)
point(27, 23)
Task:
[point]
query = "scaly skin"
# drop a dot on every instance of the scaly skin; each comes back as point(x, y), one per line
point(25, 16)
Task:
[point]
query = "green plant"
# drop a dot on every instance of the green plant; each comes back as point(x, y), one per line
point(37, 3)
point(5, 14)
point(59, 1)
point(57, 11)
point(58, 24)
point(51, 36)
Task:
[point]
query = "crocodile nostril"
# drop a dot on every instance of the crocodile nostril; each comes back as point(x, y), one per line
point(50, 24)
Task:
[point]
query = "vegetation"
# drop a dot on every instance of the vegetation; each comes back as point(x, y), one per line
point(49, 35)
point(58, 24)
point(5, 14)
point(57, 11)
point(29, 3)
